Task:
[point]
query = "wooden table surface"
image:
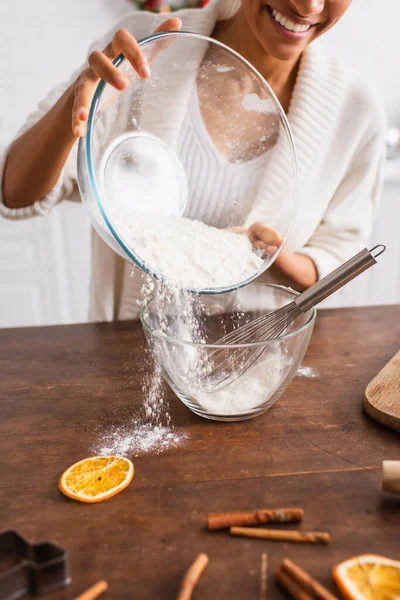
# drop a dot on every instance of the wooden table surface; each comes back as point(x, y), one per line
point(63, 388)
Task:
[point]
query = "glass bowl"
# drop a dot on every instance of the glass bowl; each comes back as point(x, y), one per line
point(204, 137)
point(183, 343)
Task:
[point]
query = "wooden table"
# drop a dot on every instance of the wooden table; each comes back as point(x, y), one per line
point(63, 388)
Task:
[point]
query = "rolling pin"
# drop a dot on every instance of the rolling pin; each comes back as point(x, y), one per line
point(391, 476)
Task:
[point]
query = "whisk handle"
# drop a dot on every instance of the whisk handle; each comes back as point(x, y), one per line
point(338, 278)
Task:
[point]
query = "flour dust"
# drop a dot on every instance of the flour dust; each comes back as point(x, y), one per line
point(307, 372)
point(139, 438)
point(150, 430)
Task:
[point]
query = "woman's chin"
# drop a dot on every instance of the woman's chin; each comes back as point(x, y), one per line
point(281, 51)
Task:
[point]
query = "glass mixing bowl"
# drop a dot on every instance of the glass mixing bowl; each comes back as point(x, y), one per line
point(204, 137)
point(183, 344)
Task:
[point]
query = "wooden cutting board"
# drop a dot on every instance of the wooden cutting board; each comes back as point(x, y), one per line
point(382, 395)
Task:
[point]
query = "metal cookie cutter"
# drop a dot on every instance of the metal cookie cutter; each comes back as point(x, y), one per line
point(30, 568)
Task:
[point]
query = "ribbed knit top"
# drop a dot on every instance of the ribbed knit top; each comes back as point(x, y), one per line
point(221, 191)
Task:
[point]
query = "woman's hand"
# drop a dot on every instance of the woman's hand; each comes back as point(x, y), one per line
point(101, 67)
point(36, 159)
point(264, 237)
point(290, 268)
point(261, 236)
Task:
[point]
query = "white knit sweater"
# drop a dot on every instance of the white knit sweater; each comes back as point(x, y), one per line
point(338, 126)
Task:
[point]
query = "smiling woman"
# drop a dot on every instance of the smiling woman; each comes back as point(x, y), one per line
point(273, 36)
point(284, 28)
point(336, 119)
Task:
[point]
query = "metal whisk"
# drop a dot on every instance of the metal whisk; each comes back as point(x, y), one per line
point(226, 368)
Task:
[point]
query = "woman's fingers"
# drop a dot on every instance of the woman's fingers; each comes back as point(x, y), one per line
point(265, 238)
point(162, 44)
point(84, 90)
point(265, 248)
point(123, 42)
point(261, 237)
point(102, 67)
point(172, 24)
point(260, 233)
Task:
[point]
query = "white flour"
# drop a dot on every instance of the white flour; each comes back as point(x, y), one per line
point(141, 162)
point(188, 253)
point(224, 68)
point(307, 372)
point(250, 390)
point(155, 405)
point(151, 433)
point(138, 439)
point(188, 366)
point(252, 103)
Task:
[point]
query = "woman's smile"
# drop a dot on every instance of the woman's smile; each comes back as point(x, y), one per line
point(293, 28)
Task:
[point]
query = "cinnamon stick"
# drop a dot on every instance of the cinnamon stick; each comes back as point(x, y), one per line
point(305, 537)
point(305, 580)
point(93, 592)
point(254, 517)
point(291, 586)
point(192, 577)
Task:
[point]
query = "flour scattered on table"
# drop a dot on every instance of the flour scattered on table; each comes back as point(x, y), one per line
point(153, 431)
point(307, 372)
point(140, 438)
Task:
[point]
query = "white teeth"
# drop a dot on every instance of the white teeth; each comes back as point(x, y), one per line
point(288, 24)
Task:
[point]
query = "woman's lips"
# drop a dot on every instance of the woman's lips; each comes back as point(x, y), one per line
point(290, 29)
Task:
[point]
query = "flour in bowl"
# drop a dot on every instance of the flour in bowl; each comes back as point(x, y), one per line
point(188, 319)
point(188, 253)
point(255, 387)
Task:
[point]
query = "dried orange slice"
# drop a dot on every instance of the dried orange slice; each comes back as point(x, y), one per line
point(368, 577)
point(97, 478)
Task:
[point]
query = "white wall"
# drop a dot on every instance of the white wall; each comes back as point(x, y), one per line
point(374, 50)
point(43, 42)
point(44, 263)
